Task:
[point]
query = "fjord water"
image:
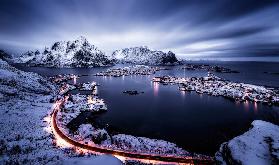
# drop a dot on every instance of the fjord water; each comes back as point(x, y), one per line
point(196, 122)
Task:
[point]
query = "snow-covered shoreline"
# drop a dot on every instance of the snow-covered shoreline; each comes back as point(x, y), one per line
point(75, 104)
point(25, 107)
point(259, 145)
point(27, 138)
point(216, 86)
point(130, 70)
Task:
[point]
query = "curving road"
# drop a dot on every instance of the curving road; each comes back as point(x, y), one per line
point(176, 159)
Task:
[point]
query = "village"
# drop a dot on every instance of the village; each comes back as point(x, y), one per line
point(130, 70)
point(75, 104)
point(216, 86)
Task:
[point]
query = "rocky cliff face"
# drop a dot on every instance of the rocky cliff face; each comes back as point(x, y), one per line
point(78, 53)
point(144, 56)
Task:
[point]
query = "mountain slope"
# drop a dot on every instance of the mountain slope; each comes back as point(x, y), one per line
point(5, 56)
point(78, 53)
point(143, 55)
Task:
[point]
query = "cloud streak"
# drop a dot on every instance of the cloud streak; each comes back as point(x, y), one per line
point(189, 28)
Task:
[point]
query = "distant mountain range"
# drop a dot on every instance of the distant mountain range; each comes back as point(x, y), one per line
point(80, 53)
point(143, 55)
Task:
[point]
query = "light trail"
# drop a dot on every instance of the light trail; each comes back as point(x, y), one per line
point(66, 141)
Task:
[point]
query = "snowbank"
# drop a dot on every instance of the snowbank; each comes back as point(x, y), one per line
point(146, 145)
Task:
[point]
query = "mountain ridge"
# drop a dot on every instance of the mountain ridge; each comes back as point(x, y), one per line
point(77, 53)
point(144, 55)
point(80, 53)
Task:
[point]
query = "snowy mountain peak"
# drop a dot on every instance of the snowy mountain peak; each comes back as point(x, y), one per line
point(144, 55)
point(81, 39)
point(77, 53)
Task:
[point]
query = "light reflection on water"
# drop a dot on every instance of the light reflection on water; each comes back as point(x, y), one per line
point(246, 105)
point(155, 88)
point(189, 119)
point(183, 93)
point(255, 107)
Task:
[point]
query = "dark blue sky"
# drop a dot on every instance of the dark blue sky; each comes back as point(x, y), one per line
point(208, 29)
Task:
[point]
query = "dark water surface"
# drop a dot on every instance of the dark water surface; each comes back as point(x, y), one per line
point(198, 123)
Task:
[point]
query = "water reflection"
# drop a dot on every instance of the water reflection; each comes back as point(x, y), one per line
point(75, 79)
point(201, 115)
point(246, 106)
point(183, 94)
point(255, 107)
point(155, 88)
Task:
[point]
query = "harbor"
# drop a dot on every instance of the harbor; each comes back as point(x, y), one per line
point(216, 86)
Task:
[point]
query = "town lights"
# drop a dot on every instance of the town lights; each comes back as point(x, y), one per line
point(91, 100)
point(75, 79)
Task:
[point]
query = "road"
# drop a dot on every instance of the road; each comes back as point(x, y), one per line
point(132, 155)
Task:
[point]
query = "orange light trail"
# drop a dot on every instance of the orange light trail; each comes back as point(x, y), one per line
point(62, 140)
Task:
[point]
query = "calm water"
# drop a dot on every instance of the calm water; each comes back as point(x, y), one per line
point(198, 123)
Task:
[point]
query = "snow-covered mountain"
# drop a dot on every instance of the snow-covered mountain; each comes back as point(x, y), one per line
point(78, 53)
point(143, 55)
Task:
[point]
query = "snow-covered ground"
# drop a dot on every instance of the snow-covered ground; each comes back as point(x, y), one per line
point(23, 106)
point(216, 86)
point(90, 86)
point(258, 146)
point(26, 136)
point(77, 104)
point(130, 70)
point(100, 160)
point(87, 133)
point(146, 145)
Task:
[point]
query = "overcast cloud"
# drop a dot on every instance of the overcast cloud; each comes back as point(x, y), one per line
point(208, 29)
